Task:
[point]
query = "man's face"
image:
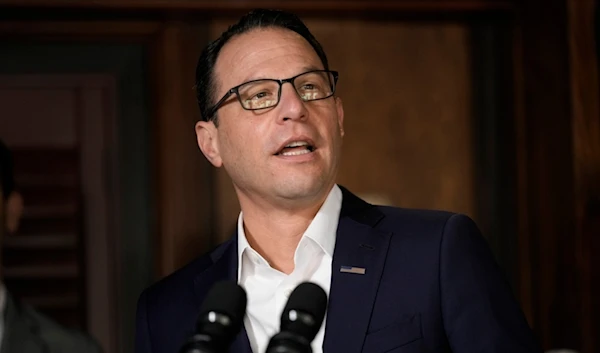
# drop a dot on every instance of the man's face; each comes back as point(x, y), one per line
point(249, 144)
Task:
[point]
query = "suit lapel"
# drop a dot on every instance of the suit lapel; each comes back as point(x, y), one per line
point(224, 268)
point(352, 295)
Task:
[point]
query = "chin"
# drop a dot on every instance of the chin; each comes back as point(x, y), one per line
point(299, 189)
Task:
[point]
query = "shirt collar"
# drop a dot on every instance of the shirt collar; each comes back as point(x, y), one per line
point(322, 229)
point(242, 243)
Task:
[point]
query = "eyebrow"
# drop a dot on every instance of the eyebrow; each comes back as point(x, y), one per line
point(303, 69)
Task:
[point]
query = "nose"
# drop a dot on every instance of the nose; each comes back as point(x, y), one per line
point(291, 106)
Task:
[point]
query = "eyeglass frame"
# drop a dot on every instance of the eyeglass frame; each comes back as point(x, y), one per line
point(235, 90)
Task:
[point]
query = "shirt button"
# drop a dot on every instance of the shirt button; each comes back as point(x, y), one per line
point(288, 292)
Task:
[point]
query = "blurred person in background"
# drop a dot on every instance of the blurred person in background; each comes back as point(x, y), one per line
point(22, 328)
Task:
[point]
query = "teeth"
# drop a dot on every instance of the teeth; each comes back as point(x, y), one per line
point(297, 144)
point(295, 153)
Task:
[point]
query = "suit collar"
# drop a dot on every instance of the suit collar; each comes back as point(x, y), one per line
point(223, 268)
point(358, 210)
point(219, 266)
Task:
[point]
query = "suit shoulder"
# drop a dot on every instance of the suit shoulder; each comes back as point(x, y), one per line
point(415, 217)
point(421, 222)
point(59, 338)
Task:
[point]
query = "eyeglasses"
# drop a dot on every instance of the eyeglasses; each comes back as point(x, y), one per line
point(266, 93)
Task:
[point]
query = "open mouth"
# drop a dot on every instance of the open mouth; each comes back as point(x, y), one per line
point(296, 148)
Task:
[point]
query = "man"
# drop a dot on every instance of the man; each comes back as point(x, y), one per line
point(398, 280)
point(22, 329)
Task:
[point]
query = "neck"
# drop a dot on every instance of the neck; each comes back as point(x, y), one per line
point(274, 232)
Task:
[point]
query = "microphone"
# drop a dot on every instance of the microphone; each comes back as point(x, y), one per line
point(301, 320)
point(221, 318)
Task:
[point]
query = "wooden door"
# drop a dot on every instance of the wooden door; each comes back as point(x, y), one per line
point(62, 260)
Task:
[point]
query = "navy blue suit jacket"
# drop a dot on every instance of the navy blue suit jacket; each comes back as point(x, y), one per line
point(431, 285)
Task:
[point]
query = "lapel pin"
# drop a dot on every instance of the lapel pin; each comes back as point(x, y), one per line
point(352, 269)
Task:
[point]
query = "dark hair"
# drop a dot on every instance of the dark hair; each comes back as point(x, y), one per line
point(259, 18)
point(7, 180)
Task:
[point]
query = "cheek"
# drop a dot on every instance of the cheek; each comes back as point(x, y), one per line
point(334, 129)
point(242, 141)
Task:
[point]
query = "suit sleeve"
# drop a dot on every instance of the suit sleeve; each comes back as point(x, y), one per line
point(91, 346)
point(479, 311)
point(142, 330)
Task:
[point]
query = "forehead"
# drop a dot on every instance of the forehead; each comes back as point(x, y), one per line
point(264, 53)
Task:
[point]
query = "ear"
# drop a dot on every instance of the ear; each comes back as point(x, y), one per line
point(340, 112)
point(14, 211)
point(206, 134)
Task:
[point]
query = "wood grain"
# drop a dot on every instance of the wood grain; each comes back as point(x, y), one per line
point(585, 110)
point(314, 6)
point(184, 219)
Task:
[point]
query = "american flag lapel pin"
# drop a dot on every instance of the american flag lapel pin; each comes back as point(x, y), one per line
point(352, 269)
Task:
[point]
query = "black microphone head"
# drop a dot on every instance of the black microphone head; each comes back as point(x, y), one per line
point(226, 297)
point(222, 313)
point(304, 311)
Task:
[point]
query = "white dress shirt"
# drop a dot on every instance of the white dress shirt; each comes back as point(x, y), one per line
point(268, 289)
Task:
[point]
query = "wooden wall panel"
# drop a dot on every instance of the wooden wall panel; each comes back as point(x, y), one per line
point(558, 144)
point(336, 6)
point(406, 93)
point(38, 117)
point(226, 206)
point(585, 110)
point(184, 196)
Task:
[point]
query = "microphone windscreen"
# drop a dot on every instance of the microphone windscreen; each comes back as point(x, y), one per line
point(305, 310)
point(225, 298)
